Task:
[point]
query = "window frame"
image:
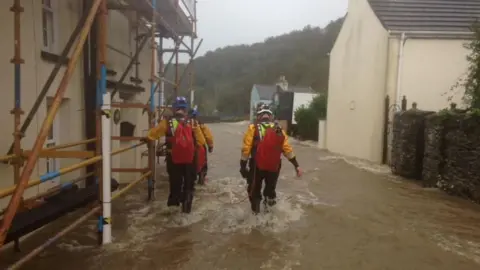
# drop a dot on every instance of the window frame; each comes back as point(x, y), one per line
point(52, 164)
point(52, 34)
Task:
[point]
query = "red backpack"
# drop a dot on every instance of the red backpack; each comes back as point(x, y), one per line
point(182, 141)
point(269, 148)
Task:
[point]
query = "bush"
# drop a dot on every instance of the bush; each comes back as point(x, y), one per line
point(307, 118)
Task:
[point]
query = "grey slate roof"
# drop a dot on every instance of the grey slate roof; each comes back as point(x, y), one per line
point(266, 91)
point(427, 15)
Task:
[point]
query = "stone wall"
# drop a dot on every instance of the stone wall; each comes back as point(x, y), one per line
point(408, 143)
point(433, 159)
point(461, 174)
point(448, 156)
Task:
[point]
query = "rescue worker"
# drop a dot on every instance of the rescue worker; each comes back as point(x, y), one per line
point(202, 173)
point(263, 144)
point(257, 108)
point(182, 138)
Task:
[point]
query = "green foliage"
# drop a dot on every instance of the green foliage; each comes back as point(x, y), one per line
point(319, 106)
point(224, 77)
point(307, 117)
point(470, 81)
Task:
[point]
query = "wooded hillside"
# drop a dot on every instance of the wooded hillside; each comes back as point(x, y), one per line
point(224, 77)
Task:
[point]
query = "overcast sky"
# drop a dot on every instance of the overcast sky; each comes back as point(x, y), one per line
point(232, 22)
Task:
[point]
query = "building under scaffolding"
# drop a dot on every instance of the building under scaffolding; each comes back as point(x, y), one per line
point(62, 62)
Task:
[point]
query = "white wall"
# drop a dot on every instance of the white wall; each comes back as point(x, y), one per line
point(35, 72)
point(430, 69)
point(121, 36)
point(357, 85)
point(322, 134)
point(300, 99)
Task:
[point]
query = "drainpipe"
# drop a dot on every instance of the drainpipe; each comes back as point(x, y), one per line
point(404, 35)
point(399, 69)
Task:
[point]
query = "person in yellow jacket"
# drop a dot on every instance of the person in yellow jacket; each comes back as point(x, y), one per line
point(207, 147)
point(252, 153)
point(181, 176)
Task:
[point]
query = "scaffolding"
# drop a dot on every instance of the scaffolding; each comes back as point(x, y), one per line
point(163, 19)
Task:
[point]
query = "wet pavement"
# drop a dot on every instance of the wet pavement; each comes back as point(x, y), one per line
point(342, 214)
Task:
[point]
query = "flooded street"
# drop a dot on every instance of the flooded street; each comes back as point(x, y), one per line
point(341, 214)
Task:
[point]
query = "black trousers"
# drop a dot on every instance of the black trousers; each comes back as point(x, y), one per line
point(255, 181)
point(205, 168)
point(182, 180)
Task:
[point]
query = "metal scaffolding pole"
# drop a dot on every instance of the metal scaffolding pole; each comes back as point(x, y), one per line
point(17, 60)
point(106, 191)
point(46, 125)
point(51, 77)
point(177, 85)
point(191, 74)
point(190, 63)
point(192, 54)
point(151, 115)
point(133, 61)
point(165, 70)
point(161, 75)
point(99, 59)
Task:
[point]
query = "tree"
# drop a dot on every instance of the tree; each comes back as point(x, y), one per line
point(307, 117)
point(472, 80)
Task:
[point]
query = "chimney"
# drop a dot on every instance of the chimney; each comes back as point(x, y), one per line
point(282, 83)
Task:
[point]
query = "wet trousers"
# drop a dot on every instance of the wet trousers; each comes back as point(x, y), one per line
point(182, 180)
point(256, 180)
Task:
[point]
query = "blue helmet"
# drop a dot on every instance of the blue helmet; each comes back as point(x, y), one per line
point(180, 103)
point(194, 111)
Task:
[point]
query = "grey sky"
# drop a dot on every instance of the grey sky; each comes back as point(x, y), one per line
point(232, 22)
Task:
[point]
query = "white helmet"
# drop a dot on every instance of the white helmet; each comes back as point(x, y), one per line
point(264, 109)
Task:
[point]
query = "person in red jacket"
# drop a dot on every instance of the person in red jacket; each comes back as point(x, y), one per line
point(182, 139)
point(202, 172)
point(263, 144)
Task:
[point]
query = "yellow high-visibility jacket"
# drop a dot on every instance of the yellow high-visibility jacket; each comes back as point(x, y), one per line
point(249, 137)
point(161, 131)
point(207, 133)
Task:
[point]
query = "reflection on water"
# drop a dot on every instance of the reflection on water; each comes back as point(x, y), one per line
point(342, 214)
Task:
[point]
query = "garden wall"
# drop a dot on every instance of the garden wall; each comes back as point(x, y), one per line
point(408, 143)
point(447, 157)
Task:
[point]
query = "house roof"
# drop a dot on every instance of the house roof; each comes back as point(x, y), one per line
point(266, 91)
point(427, 15)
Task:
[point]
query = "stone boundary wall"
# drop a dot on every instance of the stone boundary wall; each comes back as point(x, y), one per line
point(408, 143)
point(447, 157)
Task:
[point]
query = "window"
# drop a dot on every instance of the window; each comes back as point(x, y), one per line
point(52, 164)
point(48, 25)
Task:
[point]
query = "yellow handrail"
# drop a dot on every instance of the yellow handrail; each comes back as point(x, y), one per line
point(54, 189)
point(129, 186)
point(8, 191)
point(7, 157)
point(72, 226)
point(57, 147)
point(67, 145)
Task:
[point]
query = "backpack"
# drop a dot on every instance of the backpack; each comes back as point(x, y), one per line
point(182, 142)
point(269, 148)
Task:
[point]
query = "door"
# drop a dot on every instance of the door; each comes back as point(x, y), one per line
point(52, 164)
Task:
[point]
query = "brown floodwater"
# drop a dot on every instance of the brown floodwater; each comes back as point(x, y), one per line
point(342, 214)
